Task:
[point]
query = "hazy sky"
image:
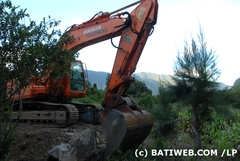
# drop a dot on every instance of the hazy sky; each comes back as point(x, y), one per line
point(177, 21)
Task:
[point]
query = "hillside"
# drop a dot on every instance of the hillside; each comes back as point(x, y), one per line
point(150, 79)
point(97, 77)
point(237, 82)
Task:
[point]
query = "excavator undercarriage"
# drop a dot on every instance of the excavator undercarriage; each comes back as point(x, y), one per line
point(48, 114)
point(125, 125)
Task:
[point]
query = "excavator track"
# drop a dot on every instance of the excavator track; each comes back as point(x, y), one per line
point(88, 113)
point(47, 114)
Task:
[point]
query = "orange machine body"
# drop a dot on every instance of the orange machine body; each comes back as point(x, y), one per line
point(125, 124)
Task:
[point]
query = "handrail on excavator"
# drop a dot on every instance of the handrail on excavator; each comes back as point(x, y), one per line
point(130, 5)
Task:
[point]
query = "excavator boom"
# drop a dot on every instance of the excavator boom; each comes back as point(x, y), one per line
point(125, 124)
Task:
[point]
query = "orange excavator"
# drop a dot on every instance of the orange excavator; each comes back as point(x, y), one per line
point(125, 125)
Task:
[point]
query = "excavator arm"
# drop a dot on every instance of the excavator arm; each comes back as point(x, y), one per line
point(133, 40)
point(125, 124)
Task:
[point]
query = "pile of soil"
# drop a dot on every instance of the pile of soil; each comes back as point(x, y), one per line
point(34, 143)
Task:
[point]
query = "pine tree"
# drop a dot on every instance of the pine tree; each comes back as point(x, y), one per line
point(196, 75)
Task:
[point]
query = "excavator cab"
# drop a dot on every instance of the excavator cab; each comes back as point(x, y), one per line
point(77, 76)
point(75, 81)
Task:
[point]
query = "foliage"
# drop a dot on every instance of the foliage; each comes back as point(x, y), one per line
point(222, 133)
point(8, 137)
point(144, 99)
point(185, 116)
point(142, 95)
point(231, 96)
point(26, 49)
point(196, 73)
point(164, 116)
point(235, 97)
point(107, 80)
point(94, 95)
point(138, 88)
point(219, 133)
point(147, 101)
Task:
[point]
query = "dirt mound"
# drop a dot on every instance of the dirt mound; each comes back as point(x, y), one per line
point(34, 143)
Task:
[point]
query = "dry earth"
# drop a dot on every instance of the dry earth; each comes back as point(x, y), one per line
point(34, 143)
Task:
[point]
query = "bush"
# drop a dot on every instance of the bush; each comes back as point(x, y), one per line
point(222, 133)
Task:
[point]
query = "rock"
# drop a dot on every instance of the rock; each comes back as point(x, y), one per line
point(58, 139)
point(102, 146)
point(53, 146)
point(82, 146)
point(39, 139)
point(70, 133)
point(23, 146)
point(65, 130)
point(28, 134)
point(22, 158)
point(98, 141)
point(73, 127)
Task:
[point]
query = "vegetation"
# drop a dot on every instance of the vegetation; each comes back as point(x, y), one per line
point(222, 133)
point(94, 95)
point(139, 92)
point(142, 94)
point(27, 49)
point(196, 75)
point(173, 108)
point(231, 96)
point(193, 108)
point(165, 117)
point(205, 114)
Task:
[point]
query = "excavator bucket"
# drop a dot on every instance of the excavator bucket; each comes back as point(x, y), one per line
point(124, 127)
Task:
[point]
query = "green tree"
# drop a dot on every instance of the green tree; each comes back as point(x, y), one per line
point(138, 88)
point(141, 94)
point(147, 101)
point(107, 80)
point(232, 96)
point(26, 49)
point(94, 95)
point(196, 75)
point(164, 116)
point(139, 91)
